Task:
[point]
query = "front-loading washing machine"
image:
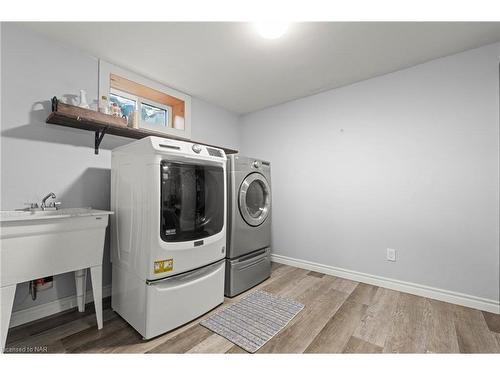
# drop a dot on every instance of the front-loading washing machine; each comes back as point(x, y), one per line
point(248, 255)
point(168, 234)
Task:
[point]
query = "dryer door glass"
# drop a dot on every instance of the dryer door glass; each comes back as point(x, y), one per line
point(192, 201)
point(254, 199)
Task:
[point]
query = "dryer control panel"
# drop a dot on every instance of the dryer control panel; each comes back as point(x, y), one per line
point(259, 164)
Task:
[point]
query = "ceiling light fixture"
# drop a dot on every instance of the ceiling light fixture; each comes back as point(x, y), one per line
point(271, 30)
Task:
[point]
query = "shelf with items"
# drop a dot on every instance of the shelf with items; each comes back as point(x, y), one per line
point(101, 124)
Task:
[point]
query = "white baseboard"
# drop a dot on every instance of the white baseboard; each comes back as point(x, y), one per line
point(401, 286)
point(41, 311)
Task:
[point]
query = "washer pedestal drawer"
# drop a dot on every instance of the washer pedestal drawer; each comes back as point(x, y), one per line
point(247, 271)
point(179, 299)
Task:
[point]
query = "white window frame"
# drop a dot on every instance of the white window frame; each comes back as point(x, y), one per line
point(106, 69)
point(139, 101)
point(152, 103)
point(123, 94)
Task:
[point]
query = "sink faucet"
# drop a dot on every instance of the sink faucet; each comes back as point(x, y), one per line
point(52, 205)
point(44, 199)
point(43, 206)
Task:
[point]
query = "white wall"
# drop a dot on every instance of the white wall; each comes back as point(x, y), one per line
point(409, 160)
point(37, 158)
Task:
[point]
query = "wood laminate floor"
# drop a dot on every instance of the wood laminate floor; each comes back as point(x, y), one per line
point(340, 316)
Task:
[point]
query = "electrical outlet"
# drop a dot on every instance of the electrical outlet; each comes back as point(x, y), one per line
point(391, 255)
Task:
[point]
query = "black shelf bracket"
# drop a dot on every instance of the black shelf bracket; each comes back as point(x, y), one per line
point(99, 135)
point(54, 102)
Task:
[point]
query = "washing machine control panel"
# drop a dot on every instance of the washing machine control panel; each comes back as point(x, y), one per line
point(256, 164)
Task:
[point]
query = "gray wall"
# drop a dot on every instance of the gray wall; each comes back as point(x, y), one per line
point(37, 158)
point(214, 125)
point(408, 160)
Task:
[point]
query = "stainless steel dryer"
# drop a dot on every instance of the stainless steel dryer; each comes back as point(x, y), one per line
point(248, 256)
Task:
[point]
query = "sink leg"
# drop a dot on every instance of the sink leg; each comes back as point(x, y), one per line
point(96, 276)
point(7, 300)
point(81, 288)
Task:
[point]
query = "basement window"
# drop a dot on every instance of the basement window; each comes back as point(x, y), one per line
point(151, 115)
point(158, 107)
point(126, 103)
point(154, 115)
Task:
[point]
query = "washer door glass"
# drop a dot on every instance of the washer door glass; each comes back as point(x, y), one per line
point(254, 199)
point(192, 201)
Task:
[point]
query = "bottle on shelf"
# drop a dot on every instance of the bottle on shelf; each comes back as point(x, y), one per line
point(83, 100)
point(104, 105)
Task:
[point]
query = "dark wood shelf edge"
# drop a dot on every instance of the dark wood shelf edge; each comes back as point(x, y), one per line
point(56, 118)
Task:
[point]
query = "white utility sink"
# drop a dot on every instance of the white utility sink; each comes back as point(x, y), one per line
point(20, 215)
point(36, 244)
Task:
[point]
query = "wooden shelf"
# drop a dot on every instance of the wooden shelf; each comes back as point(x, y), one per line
point(79, 118)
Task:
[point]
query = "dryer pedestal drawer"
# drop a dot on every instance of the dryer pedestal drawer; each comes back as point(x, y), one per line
point(247, 271)
point(177, 300)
